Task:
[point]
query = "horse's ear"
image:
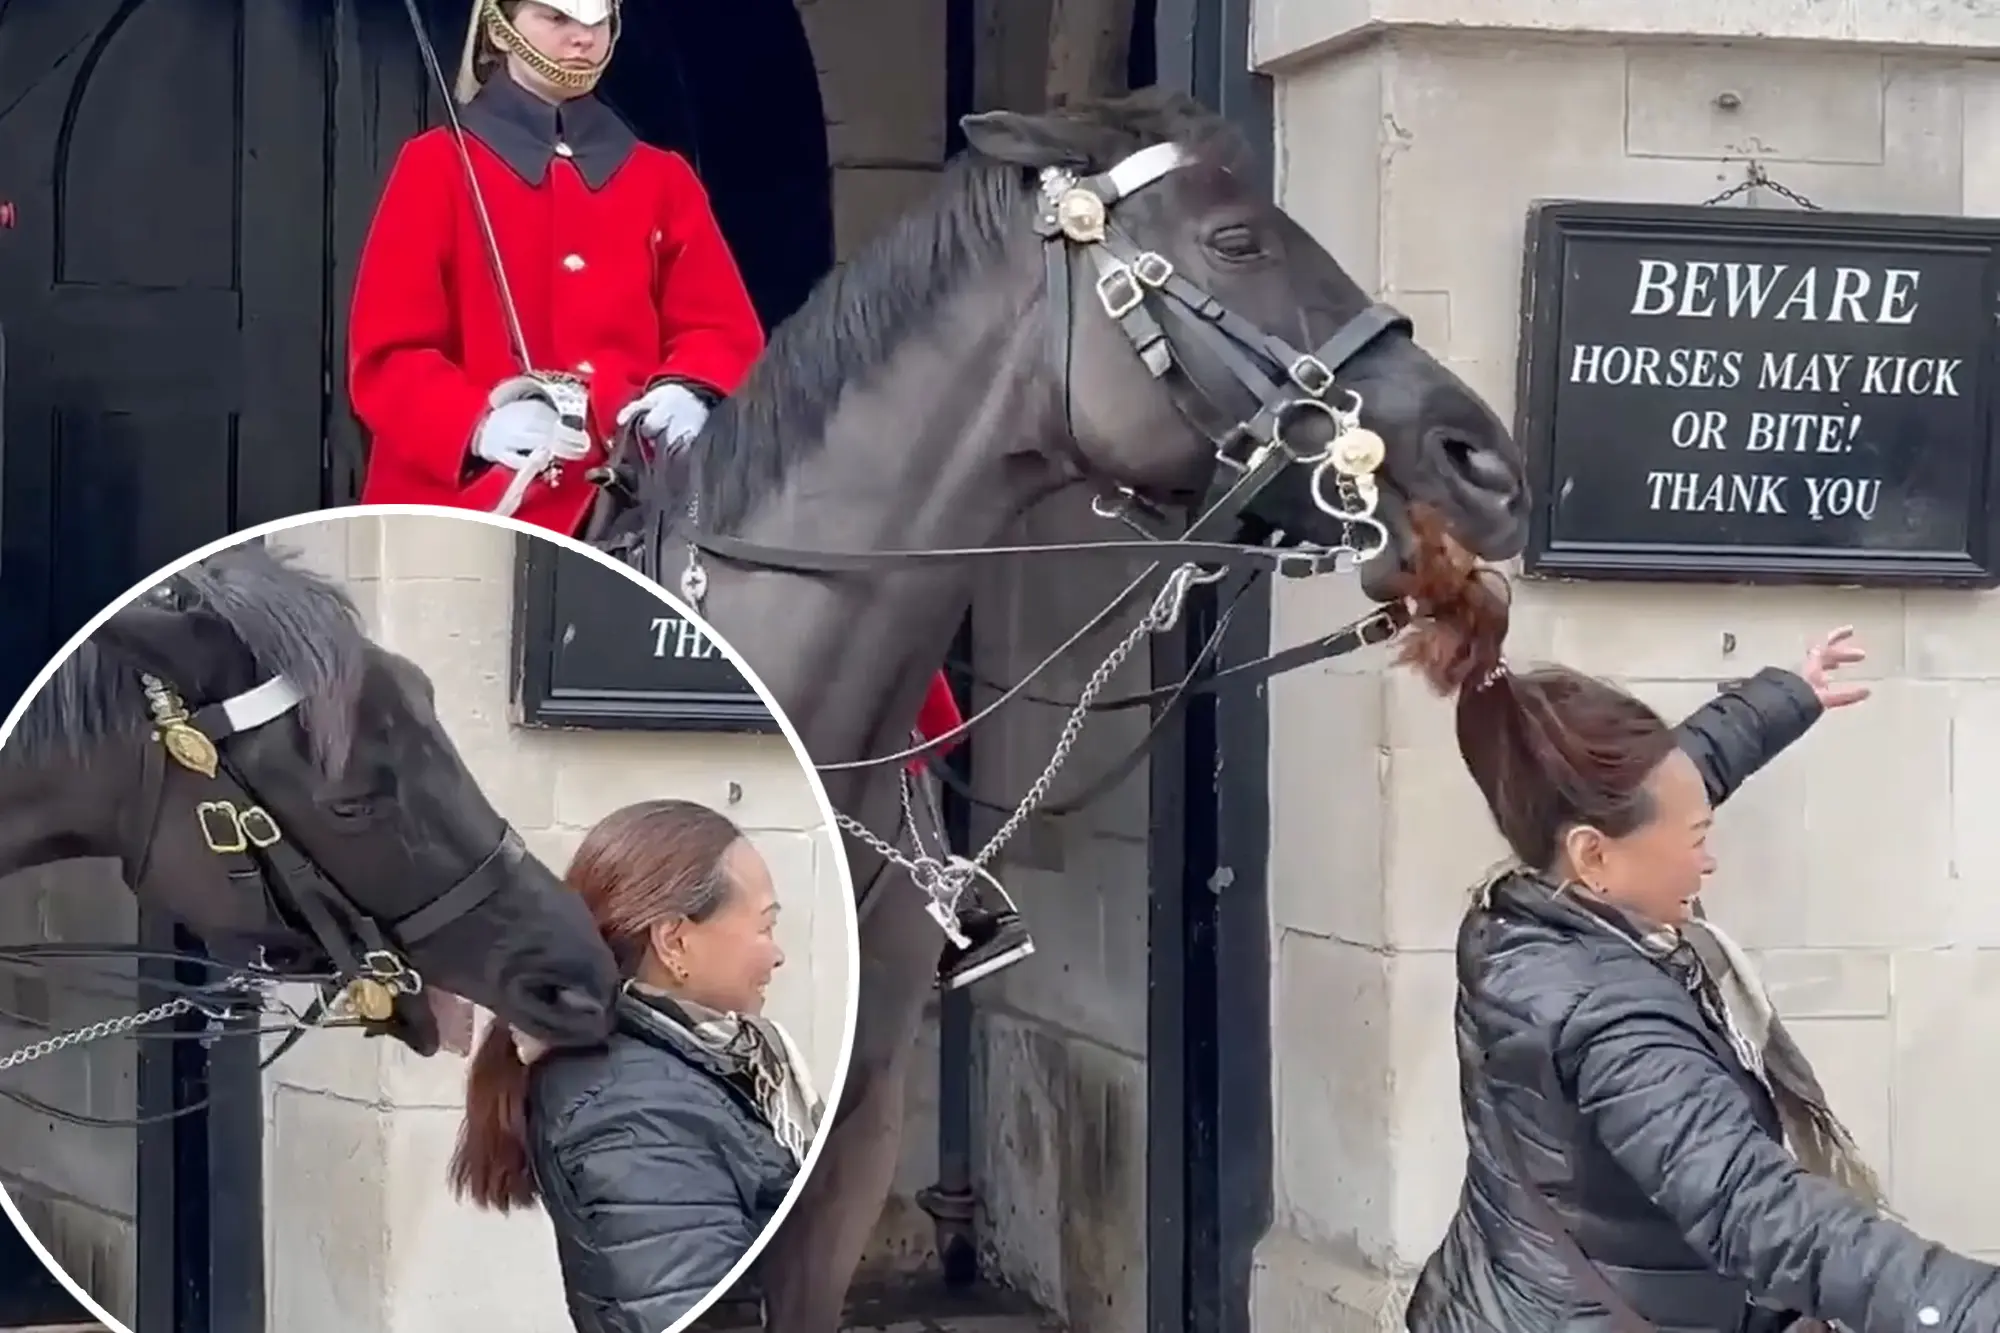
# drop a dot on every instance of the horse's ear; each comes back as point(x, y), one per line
point(160, 641)
point(1019, 140)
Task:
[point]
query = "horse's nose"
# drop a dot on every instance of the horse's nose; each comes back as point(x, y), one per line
point(1474, 460)
point(558, 1010)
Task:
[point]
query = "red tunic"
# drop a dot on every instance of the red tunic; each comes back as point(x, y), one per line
point(618, 273)
point(622, 285)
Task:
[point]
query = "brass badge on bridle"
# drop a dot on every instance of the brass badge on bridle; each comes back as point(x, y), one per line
point(184, 742)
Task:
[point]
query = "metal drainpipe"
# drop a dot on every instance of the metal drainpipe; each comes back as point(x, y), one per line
point(951, 1201)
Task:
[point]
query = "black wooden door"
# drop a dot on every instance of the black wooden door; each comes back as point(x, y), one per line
point(163, 292)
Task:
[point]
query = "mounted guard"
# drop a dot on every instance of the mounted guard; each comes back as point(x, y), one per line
point(537, 279)
point(535, 275)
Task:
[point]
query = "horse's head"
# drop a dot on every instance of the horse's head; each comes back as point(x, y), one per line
point(1176, 369)
point(341, 820)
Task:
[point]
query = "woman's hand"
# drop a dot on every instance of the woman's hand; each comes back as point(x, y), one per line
point(1827, 656)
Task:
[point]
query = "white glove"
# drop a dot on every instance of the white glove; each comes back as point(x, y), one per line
point(512, 432)
point(667, 414)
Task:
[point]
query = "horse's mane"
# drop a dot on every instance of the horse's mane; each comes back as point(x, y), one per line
point(291, 622)
point(864, 310)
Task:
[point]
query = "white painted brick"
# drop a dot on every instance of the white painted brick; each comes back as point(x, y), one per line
point(1298, 1286)
point(1974, 805)
point(1456, 188)
point(435, 547)
point(1953, 634)
point(364, 542)
point(1979, 154)
point(1286, 32)
point(1328, 806)
point(1810, 106)
point(1712, 633)
point(1427, 1136)
point(330, 1159)
point(600, 773)
point(1439, 842)
point(1330, 137)
point(1827, 983)
point(1943, 1084)
point(1335, 1181)
point(1855, 1060)
point(320, 547)
point(427, 1233)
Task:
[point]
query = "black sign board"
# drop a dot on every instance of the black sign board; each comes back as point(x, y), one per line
point(1735, 395)
point(594, 649)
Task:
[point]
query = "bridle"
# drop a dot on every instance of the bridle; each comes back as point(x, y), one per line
point(358, 964)
point(1134, 287)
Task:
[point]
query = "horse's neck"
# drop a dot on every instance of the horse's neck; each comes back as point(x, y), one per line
point(60, 811)
point(931, 454)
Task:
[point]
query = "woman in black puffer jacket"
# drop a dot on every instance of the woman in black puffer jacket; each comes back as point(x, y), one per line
point(663, 1156)
point(1648, 1150)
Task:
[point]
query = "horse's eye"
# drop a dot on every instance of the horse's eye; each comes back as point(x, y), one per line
point(351, 807)
point(1235, 242)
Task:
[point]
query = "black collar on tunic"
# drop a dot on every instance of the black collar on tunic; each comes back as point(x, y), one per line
point(523, 131)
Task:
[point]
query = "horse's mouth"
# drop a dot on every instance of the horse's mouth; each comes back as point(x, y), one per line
point(1382, 574)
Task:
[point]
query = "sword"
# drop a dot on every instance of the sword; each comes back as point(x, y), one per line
point(562, 392)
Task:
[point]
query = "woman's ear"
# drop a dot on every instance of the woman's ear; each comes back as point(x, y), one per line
point(667, 940)
point(1584, 849)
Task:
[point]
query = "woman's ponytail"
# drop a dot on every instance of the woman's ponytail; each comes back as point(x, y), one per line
point(1549, 748)
point(1461, 612)
point(490, 1167)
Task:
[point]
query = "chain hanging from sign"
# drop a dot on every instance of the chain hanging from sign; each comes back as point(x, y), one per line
point(1756, 178)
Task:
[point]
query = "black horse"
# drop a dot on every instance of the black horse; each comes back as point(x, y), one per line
point(1097, 298)
point(267, 775)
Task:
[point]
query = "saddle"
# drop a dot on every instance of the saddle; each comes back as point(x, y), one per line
point(612, 522)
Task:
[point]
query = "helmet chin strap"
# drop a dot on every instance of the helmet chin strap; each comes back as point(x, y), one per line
point(502, 33)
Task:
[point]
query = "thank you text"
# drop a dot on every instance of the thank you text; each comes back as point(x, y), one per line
point(1741, 398)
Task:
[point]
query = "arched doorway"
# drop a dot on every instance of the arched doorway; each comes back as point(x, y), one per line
point(733, 87)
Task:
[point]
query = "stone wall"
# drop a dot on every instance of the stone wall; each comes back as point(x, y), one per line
point(361, 1231)
point(1413, 136)
point(75, 1186)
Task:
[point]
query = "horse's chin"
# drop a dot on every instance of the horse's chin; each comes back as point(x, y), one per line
point(1382, 577)
point(414, 1023)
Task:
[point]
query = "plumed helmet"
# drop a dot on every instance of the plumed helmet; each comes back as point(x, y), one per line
point(490, 30)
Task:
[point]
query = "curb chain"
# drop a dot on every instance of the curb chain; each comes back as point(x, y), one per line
point(111, 1027)
point(945, 881)
point(114, 1027)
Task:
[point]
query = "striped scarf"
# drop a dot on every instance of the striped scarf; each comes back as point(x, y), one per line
point(755, 1051)
point(1725, 986)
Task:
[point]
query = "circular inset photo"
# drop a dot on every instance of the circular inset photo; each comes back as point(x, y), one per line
point(408, 904)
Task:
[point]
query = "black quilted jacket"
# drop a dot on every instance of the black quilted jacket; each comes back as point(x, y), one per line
point(1640, 1127)
point(655, 1171)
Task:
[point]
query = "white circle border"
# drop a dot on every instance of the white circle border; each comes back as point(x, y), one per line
point(842, 870)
